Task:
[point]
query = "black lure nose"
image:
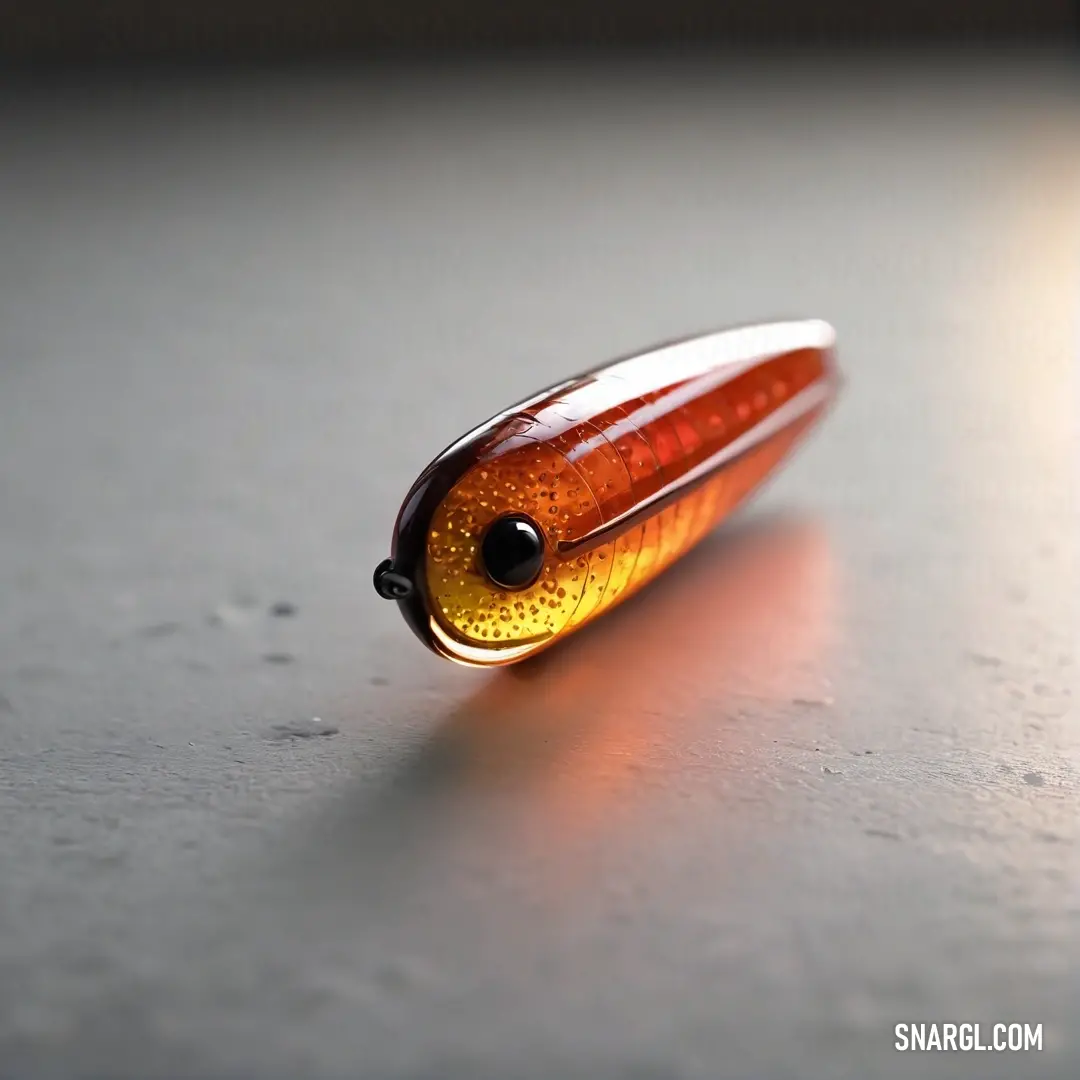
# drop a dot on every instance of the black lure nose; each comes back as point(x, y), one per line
point(389, 584)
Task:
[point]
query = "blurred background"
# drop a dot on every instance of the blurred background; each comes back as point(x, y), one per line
point(260, 263)
point(77, 30)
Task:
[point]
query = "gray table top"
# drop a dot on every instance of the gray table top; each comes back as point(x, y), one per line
point(819, 780)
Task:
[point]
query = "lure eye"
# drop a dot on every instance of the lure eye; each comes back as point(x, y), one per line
point(512, 551)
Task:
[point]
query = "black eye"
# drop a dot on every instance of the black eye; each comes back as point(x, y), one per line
point(512, 552)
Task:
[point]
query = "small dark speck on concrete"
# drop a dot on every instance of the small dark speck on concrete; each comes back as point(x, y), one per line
point(283, 609)
point(160, 630)
point(884, 834)
point(5, 705)
point(379, 680)
point(868, 751)
point(830, 772)
point(984, 659)
point(278, 658)
point(1034, 779)
point(311, 730)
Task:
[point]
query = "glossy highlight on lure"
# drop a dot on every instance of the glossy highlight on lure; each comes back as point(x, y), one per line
point(561, 507)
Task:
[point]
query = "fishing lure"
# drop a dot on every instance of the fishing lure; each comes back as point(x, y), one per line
point(561, 507)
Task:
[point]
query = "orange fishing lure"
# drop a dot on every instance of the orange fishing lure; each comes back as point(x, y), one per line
point(561, 507)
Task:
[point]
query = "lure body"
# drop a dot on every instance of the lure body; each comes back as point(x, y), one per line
point(563, 506)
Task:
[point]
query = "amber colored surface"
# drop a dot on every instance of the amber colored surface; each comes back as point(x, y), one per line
point(595, 450)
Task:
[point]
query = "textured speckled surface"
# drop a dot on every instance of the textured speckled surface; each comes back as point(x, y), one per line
point(239, 314)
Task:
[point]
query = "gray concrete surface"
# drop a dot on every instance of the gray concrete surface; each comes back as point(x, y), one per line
point(820, 780)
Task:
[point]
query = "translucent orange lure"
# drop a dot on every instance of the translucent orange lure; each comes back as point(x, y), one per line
point(561, 507)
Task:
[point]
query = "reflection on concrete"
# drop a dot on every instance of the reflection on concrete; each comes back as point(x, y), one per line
point(558, 758)
point(562, 755)
point(744, 618)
